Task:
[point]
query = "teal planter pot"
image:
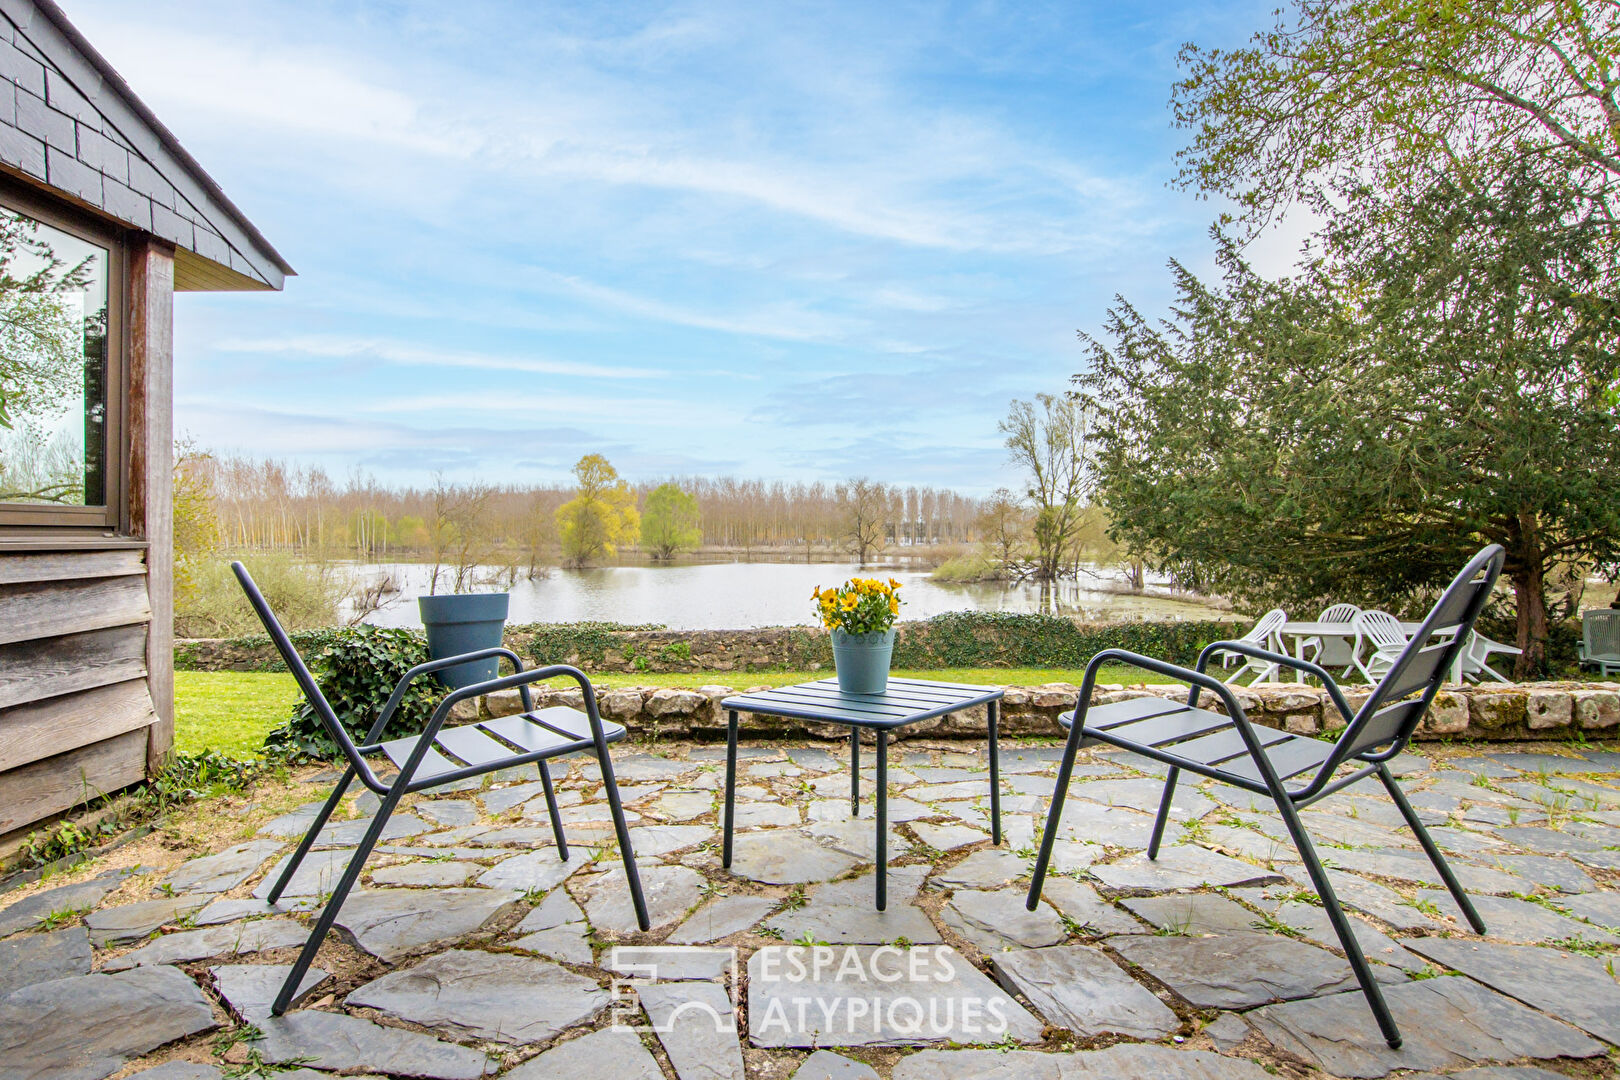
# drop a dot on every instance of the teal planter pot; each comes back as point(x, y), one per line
point(862, 660)
point(464, 623)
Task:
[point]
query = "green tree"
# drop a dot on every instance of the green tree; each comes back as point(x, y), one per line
point(1392, 92)
point(197, 531)
point(601, 515)
point(1437, 379)
point(42, 346)
point(670, 522)
point(1050, 445)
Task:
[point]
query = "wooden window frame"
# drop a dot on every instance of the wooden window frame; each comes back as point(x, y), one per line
point(24, 521)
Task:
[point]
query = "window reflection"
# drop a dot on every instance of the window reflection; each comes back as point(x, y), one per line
point(53, 365)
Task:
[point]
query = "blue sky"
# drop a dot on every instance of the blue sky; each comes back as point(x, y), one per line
point(767, 240)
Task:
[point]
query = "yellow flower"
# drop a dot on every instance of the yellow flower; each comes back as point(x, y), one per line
point(894, 607)
point(851, 602)
point(893, 584)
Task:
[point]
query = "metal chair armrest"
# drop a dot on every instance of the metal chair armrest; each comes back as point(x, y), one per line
point(430, 666)
point(1283, 659)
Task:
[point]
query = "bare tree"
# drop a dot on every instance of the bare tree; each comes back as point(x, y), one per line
point(1049, 444)
point(866, 506)
point(458, 532)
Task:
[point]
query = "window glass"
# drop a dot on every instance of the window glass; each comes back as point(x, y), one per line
point(53, 365)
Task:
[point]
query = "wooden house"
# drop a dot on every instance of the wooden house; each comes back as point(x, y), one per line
point(103, 217)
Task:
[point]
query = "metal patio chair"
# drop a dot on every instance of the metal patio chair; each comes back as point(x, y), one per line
point(1231, 749)
point(1331, 651)
point(441, 755)
point(1263, 632)
point(1600, 640)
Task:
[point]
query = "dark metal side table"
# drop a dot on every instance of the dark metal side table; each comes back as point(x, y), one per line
point(905, 701)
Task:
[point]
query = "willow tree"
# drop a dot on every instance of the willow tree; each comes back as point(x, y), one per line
point(601, 515)
point(1394, 93)
point(670, 522)
point(1441, 376)
point(1050, 445)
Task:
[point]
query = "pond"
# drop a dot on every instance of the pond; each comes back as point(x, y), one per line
point(740, 595)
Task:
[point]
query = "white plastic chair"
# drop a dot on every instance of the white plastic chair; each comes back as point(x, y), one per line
point(1383, 632)
point(1334, 652)
point(1262, 634)
point(1478, 651)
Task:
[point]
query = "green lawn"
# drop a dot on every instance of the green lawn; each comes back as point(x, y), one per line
point(231, 711)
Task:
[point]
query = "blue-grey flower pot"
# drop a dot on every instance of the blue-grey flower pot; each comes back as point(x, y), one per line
point(464, 623)
point(862, 660)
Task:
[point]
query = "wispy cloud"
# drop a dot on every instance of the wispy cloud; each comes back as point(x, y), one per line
point(393, 352)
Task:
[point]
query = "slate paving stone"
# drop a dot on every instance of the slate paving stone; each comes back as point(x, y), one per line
point(519, 837)
point(1456, 840)
point(447, 813)
point(1126, 1061)
point(223, 871)
point(293, 824)
point(1416, 867)
point(250, 989)
point(80, 896)
point(534, 870)
point(991, 868)
point(1083, 906)
point(556, 928)
point(1602, 908)
point(1312, 921)
point(224, 911)
point(317, 874)
point(1249, 844)
point(1379, 901)
point(1576, 989)
point(651, 841)
point(390, 923)
point(465, 994)
point(1542, 841)
point(1445, 1023)
point(683, 805)
point(336, 1042)
point(1328, 829)
point(875, 996)
point(1497, 815)
point(1542, 763)
point(1487, 767)
point(1510, 919)
point(1496, 1072)
point(826, 1065)
point(673, 963)
point(86, 1027)
point(1067, 855)
point(1080, 988)
point(426, 874)
point(37, 958)
point(842, 912)
point(697, 1027)
point(350, 833)
point(819, 760)
point(1547, 870)
point(993, 921)
point(787, 858)
point(1228, 1031)
point(131, 922)
point(500, 800)
point(1237, 970)
point(765, 814)
point(583, 1059)
point(224, 940)
point(856, 837)
point(721, 918)
point(670, 892)
point(1179, 866)
point(182, 1070)
point(1192, 913)
point(1139, 792)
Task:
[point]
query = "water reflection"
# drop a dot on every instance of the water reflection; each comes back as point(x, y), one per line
point(738, 595)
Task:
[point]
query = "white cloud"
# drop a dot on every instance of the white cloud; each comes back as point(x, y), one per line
point(394, 352)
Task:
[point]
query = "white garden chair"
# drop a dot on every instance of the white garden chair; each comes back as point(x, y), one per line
point(1332, 651)
point(1383, 632)
point(1263, 634)
point(1478, 651)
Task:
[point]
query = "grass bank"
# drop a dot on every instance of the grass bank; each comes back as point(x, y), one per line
point(232, 711)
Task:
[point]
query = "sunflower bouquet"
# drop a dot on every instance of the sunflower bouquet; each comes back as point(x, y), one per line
point(859, 605)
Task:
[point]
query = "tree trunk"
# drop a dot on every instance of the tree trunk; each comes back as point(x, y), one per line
point(1525, 568)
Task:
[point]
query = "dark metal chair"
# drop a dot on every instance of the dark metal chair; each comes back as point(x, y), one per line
point(440, 756)
point(1231, 749)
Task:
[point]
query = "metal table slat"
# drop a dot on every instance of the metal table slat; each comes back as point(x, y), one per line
point(471, 745)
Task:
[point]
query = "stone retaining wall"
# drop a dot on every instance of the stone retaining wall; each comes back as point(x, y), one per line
point(1538, 711)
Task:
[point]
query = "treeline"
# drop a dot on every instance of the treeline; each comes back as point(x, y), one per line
point(266, 505)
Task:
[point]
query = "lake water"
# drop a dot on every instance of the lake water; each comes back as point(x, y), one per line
point(738, 595)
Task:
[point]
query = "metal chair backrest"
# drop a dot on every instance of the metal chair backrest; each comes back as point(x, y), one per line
point(1266, 627)
point(300, 672)
point(1339, 613)
point(1389, 717)
point(1381, 628)
point(1600, 633)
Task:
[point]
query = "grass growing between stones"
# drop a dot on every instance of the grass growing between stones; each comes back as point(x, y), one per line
point(230, 712)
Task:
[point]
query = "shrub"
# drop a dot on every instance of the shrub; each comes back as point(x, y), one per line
point(989, 639)
point(356, 670)
point(586, 642)
point(303, 594)
point(975, 566)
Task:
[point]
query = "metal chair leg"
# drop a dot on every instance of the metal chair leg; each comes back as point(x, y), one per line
point(1341, 924)
point(1053, 815)
point(855, 772)
point(992, 717)
point(620, 827)
point(309, 837)
point(551, 806)
point(731, 785)
point(882, 819)
point(1164, 812)
point(1432, 850)
point(328, 916)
